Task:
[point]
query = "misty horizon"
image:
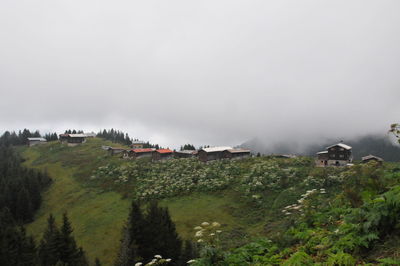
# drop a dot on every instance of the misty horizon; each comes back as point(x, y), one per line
point(204, 73)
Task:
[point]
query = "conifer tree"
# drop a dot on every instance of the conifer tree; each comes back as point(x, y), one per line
point(69, 253)
point(50, 243)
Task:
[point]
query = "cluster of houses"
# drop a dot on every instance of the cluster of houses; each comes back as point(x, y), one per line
point(340, 154)
point(204, 155)
point(70, 139)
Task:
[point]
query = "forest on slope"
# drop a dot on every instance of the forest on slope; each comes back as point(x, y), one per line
point(267, 211)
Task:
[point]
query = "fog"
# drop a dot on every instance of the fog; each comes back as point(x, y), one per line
point(202, 72)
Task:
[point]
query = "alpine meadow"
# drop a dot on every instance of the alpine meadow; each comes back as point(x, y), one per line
point(201, 133)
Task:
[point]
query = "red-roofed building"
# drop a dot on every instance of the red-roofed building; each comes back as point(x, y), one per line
point(163, 154)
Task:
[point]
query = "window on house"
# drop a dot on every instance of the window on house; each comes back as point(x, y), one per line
point(341, 156)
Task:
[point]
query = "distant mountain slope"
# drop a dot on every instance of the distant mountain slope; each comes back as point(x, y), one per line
point(380, 146)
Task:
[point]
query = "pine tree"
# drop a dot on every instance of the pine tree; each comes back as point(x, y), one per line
point(160, 234)
point(50, 244)
point(69, 253)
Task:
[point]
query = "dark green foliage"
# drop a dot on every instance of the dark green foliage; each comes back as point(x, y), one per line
point(12, 138)
point(146, 235)
point(73, 131)
point(58, 246)
point(188, 147)
point(20, 188)
point(49, 245)
point(115, 136)
point(51, 136)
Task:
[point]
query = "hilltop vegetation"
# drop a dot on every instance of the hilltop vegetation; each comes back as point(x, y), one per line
point(298, 212)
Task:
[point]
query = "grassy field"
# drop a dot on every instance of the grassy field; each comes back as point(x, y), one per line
point(97, 217)
point(97, 213)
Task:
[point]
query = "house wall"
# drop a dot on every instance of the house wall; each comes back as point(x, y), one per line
point(209, 156)
point(237, 155)
point(162, 156)
point(183, 155)
point(240, 155)
point(35, 142)
point(339, 153)
point(76, 140)
point(137, 146)
point(337, 162)
point(143, 155)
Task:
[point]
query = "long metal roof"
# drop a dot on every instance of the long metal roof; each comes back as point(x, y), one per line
point(37, 139)
point(347, 147)
point(164, 151)
point(143, 150)
point(77, 135)
point(368, 157)
point(239, 151)
point(217, 149)
point(187, 151)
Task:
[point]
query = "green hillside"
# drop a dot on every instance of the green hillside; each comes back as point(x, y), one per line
point(299, 207)
point(98, 208)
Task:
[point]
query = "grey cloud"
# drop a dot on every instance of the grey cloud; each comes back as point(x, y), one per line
point(208, 72)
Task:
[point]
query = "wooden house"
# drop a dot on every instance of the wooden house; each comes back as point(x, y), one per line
point(138, 153)
point(185, 154)
point(236, 154)
point(137, 144)
point(335, 155)
point(214, 153)
point(370, 158)
point(113, 151)
point(76, 139)
point(162, 154)
point(36, 141)
point(63, 138)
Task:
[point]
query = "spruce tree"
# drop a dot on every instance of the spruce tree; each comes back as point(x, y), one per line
point(69, 253)
point(50, 244)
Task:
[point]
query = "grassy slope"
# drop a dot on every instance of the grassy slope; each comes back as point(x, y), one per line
point(97, 214)
point(97, 217)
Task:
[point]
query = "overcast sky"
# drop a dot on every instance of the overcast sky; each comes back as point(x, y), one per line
point(204, 72)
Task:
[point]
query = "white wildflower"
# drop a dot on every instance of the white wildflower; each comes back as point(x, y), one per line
point(215, 224)
point(200, 240)
point(158, 256)
point(168, 260)
point(139, 264)
point(199, 234)
point(198, 228)
point(212, 234)
point(191, 261)
point(205, 224)
point(218, 231)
